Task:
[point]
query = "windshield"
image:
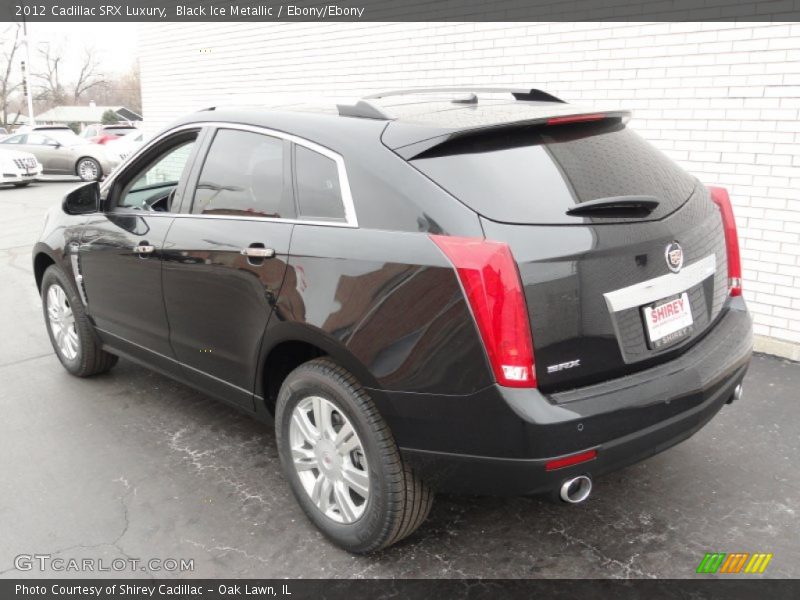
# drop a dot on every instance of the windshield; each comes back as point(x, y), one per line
point(119, 131)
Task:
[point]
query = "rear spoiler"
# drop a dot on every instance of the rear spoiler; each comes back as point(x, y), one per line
point(413, 149)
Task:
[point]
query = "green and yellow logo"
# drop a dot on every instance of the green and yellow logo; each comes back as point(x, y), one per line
point(738, 562)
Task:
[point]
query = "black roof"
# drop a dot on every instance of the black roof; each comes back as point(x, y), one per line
point(404, 117)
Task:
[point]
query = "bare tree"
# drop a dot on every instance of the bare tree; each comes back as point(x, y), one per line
point(7, 86)
point(122, 89)
point(51, 89)
point(89, 75)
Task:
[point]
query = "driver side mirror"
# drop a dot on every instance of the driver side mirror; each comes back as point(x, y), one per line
point(82, 200)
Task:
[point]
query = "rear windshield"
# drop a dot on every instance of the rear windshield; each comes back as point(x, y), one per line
point(118, 131)
point(535, 175)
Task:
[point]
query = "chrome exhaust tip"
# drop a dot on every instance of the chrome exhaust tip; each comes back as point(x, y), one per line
point(737, 394)
point(576, 490)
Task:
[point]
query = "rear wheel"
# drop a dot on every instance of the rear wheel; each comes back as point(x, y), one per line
point(73, 339)
point(342, 462)
point(88, 169)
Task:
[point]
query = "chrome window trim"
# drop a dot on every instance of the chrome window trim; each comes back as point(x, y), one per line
point(657, 288)
point(350, 219)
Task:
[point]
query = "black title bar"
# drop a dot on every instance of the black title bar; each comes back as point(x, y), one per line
point(400, 10)
point(734, 588)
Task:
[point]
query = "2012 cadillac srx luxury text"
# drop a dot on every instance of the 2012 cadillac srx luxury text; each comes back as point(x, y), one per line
point(478, 291)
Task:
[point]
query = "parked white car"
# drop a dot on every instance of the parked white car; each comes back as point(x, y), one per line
point(18, 168)
point(123, 146)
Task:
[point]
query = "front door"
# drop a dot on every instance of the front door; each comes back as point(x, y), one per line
point(225, 259)
point(49, 152)
point(121, 250)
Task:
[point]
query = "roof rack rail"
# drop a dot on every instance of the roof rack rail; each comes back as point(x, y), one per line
point(363, 109)
point(519, 94)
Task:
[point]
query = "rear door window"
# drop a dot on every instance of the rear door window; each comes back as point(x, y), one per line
point(319, 193)
point(244, 174)
point(535, 175)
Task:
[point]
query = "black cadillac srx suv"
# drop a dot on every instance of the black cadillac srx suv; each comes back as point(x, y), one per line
point(479, 291)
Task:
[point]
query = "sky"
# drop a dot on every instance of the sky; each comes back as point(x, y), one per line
point(115, 42)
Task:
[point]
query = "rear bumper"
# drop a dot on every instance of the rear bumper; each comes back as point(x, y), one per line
point(498, 440)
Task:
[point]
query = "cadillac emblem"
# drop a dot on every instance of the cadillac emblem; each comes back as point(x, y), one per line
point(674, 256)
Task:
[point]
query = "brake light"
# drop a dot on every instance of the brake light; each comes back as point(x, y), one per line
point(720, 197)
point(568, 461)
point(576, 119)
point(491, 282)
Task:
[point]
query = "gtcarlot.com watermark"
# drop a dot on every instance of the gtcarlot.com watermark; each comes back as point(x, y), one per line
point(58, 564)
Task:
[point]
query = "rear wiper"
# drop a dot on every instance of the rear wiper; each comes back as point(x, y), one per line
point(616, 207)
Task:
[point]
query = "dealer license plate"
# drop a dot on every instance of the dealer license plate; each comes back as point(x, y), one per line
point(668, 321)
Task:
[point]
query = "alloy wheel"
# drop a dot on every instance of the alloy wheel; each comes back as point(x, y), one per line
point(87, 170)
point(329, 459)
point(62, 322)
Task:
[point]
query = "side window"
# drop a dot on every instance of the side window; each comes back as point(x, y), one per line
point(15, 139)
point(38, 139)
point(319, 193)
point(243, 174)
point(151, 187)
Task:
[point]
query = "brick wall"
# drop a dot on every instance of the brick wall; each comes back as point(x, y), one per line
point(720, 98)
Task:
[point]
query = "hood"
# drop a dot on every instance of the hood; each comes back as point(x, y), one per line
point(14, 154)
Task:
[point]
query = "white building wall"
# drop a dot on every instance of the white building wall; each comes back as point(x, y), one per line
point(720, 98)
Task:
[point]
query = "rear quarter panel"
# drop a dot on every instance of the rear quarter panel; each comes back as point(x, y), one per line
point(391, 299)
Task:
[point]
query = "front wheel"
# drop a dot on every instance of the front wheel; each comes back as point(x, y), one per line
point(71, 334)
point(88, 169)
point(342, 462)
point(21, 185)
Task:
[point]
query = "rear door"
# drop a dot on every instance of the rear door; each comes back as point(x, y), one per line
point(621, 252)
point(226, 256)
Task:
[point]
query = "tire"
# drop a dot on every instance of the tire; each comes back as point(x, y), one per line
point(73, 338)
point(22, 185)
point(397, 501)
point(88, 169)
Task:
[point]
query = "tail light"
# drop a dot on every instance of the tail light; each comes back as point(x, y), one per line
point(491, 282)
point(720, 197)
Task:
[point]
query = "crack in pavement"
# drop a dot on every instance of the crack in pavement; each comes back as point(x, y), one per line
point(221, 471)
point(23, 360)
point(226, 549)
point(116, 542)
point(626, 568)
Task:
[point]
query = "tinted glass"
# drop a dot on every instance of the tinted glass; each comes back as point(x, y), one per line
point(158, 178)
point(67, 138)
point(318, 192)
point(118, 131)
point(243, 175)
point(535, 175)
point(39, 140)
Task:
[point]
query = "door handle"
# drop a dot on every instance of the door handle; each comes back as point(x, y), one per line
point(256, 252)
point(144, 249)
